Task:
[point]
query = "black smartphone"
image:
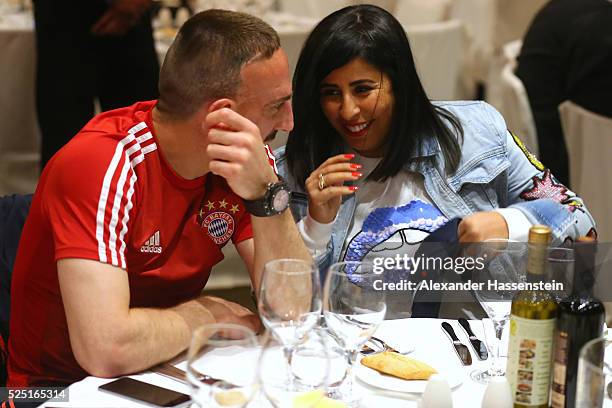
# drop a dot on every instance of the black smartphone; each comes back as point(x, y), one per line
point(131, 388)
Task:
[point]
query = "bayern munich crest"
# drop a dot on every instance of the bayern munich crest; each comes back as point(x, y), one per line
point(219, 225)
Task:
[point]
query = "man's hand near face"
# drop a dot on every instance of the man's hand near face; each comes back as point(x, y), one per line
point(236, 153)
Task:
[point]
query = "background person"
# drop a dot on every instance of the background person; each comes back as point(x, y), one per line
point(566, 55)
point(86, 50)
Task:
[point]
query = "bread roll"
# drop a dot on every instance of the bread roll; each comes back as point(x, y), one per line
point(398, 365)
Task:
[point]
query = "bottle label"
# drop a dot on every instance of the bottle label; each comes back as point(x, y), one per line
point(529, 359)
point(557, 397)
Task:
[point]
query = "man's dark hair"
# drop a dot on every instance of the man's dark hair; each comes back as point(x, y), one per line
point(205, 60)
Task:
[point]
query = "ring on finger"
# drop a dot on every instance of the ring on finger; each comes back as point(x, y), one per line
point(322, 184)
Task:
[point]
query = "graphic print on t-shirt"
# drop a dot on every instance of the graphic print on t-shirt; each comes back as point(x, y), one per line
point(388, 231)
point(215, 219)
point(153, 244)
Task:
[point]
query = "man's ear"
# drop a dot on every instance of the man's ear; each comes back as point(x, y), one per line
point(222, 103)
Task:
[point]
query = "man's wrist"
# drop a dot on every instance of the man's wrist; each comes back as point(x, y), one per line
point(275, 200)
point(262, 188)
point(195, 314)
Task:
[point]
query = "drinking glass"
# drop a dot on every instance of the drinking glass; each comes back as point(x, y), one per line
point(353, 309)
point(211, 365)
point(290, 301)
point(560, 268)
point(311, 369)
point(594, 380)
point(505, 261)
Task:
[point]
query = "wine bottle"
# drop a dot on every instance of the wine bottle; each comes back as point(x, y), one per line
point(581, 318)
point(532, 325)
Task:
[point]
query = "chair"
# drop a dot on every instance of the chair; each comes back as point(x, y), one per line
point(491, 24)
point(312, 8)
point(292, 41)
point(439, 51)
point(13, 212)
point(19, 133)
point(389, 5)
point(20, 171)
point(413, 12)
point(588, 137)
point(514, 104)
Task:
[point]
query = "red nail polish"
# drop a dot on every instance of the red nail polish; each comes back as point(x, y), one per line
point(349, 156)
point(357, 174)
point(353, 188)
point(355, 166)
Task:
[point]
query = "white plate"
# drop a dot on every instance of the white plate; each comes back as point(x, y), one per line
point(453, 376)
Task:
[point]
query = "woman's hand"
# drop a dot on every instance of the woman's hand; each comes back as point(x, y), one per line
point(481, 226)
point(325, 186)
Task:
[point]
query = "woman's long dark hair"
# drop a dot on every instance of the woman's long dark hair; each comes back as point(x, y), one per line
point(371, 33)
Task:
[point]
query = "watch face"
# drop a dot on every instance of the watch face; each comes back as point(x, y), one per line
point(281, 200)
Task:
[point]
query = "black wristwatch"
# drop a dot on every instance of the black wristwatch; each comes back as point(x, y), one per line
point(274, 201)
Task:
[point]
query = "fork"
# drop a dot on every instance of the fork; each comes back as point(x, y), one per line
point(366, 350)
point(170, 371)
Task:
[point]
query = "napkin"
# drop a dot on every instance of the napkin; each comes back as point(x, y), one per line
point(307, 400)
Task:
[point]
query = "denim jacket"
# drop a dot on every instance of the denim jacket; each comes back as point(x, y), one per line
point(495, 171)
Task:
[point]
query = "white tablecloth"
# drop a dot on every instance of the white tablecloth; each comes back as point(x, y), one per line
point(425, 335)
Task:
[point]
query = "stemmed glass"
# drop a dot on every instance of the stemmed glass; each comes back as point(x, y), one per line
point(505, 261)
point(289, 301)
point(311, 368)
point(211, 370)
point(560, 268)
point(353, 309)
point(593, 385)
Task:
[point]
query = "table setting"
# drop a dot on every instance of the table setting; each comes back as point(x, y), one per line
point(425, 336)
point(325, 345)
point(330, 342)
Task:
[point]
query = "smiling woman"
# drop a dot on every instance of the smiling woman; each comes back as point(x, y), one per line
point(377, 167)
point(357, 100)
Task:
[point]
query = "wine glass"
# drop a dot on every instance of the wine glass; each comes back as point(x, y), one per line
point(504, 262)
point(594, 377)
point(311, 367)
point(353, 308)
point(560, 268)
point(211, 365)
point(290, 301)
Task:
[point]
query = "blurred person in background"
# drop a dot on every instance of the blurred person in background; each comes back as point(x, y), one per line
point(90, 49)
point(566, 55)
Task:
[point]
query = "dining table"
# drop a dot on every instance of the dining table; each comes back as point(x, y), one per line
point(423, 339)
point(422, 336)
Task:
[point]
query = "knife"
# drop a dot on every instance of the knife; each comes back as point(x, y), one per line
point(170, 371)
point(460, 348)
point(479, 346)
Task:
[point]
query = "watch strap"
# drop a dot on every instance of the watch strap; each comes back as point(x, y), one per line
point(264, 207)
